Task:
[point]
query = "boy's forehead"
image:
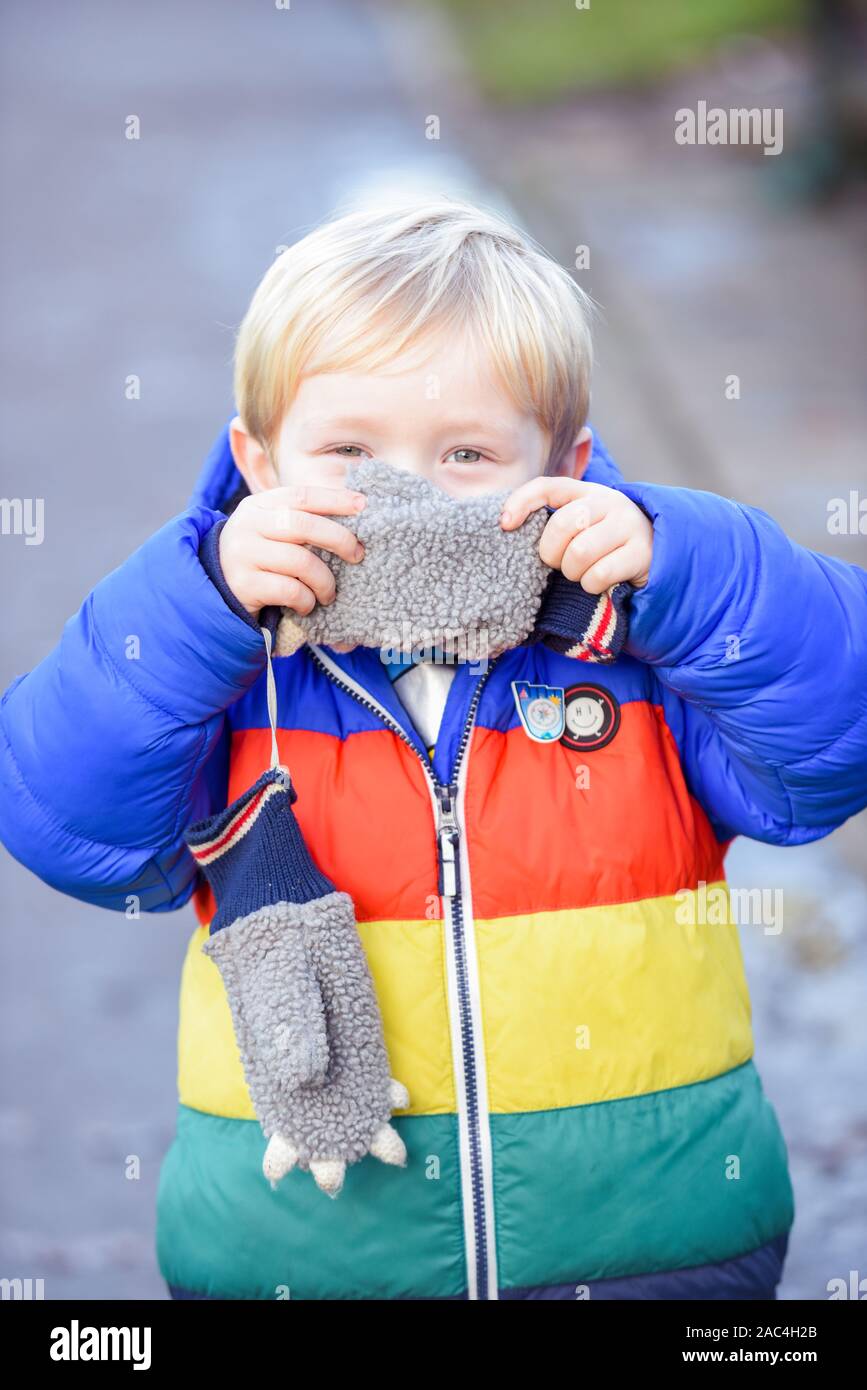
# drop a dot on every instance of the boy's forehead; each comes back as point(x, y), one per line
point(458, 395)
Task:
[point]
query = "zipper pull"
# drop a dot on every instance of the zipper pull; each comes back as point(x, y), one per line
point(448, 837)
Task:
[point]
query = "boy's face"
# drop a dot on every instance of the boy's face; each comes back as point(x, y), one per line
point(444, 416)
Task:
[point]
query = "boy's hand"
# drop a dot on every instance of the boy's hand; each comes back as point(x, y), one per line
point(597, 535)
point(265, 550)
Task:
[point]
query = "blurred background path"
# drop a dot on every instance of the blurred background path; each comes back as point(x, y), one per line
point(124, 257)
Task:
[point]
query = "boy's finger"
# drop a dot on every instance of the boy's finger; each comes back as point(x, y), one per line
point(568, 521)
point(608, 570)
point(307, 528)
point(540, 492)
point(297, 562)
point(583, 550)
point(282, 591)
point(327, 501)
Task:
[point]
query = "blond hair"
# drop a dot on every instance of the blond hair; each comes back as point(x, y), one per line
point(371, 283)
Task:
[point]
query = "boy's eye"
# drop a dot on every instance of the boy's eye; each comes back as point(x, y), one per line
point(475, 452)
point(340, 448)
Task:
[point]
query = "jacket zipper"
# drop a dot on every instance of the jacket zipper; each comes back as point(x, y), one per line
point(454, 887)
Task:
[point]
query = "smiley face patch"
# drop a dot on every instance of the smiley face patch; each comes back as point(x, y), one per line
point(591, 716)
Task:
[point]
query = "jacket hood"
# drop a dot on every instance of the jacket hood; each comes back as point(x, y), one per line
point(219, 478)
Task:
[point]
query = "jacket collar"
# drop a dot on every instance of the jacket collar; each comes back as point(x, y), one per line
point(368, 674)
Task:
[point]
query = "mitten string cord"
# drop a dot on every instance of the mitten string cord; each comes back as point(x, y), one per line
point(272, 702)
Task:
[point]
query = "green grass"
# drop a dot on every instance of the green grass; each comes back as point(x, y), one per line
point(534, 50)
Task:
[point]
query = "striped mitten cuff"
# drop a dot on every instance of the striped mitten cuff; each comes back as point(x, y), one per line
point(588, 627)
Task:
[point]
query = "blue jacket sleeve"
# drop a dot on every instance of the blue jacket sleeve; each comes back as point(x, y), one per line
point(760, 646)
point(118, 739)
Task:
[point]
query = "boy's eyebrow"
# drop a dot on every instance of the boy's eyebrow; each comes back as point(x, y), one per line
point(338, 422)
point(474, 426)
point(357, 422)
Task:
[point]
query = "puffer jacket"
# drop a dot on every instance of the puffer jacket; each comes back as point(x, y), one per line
point(586, 1117)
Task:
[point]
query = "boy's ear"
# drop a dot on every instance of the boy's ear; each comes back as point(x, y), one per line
point(251, 459)
point(576, 458)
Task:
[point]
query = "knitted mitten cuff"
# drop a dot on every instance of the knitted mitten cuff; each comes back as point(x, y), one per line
point(300, 991)
point(253, 853)
point(588, 627)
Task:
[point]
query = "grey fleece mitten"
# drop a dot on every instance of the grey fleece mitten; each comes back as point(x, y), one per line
point(438, 571)
point(303, 1001)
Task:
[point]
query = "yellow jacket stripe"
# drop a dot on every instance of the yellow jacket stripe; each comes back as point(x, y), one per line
point(578, 1006)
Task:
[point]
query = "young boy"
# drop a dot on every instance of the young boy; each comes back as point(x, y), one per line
point(585, 1117)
